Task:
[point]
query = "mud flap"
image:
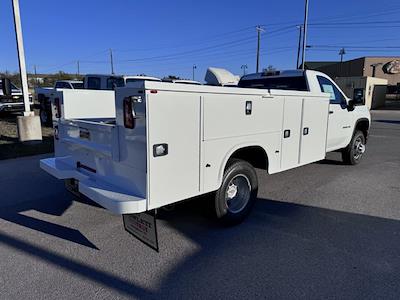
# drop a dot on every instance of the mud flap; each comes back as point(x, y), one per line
point(143, 226)
point(72, 186)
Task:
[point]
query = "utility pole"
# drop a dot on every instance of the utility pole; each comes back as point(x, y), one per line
point(300, 27)
point(259, 30)
point(77, 64)
point(194, 68)
point(112, 62)
point(305, 27)
point(28, 125)
point(244, 67)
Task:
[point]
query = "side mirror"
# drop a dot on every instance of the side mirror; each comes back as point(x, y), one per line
point(351, 105)
point(6, 86)
point(359, 97)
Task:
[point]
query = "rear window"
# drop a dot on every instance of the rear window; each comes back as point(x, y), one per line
point(297, 83)
point(93, 83)
point(114, 82)
point(77, 85)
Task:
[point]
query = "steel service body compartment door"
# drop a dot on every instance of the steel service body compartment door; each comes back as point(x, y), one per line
point(314, 130)
point(173, 123)
point(304, 131)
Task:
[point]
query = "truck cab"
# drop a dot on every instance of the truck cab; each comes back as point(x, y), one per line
point(110, 82)
point(345, 115)
point(69, 84)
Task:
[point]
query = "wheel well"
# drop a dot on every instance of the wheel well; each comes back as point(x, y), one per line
point(363, 126)
point(254, 155)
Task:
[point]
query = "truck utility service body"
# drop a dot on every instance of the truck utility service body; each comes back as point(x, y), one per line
point(170, 142)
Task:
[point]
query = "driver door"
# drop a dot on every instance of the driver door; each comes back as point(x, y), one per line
point(339, 127)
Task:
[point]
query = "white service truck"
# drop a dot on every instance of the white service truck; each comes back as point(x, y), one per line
point(169, 141)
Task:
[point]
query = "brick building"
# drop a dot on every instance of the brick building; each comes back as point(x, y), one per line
point(382, 67)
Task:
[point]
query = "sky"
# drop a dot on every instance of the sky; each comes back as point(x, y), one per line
point(161, 38)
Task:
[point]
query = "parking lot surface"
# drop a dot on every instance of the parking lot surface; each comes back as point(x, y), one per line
point(325, 230)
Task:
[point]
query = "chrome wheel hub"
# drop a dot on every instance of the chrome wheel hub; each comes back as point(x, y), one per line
point(237, 193)
point(232, 191)
point(359, 148)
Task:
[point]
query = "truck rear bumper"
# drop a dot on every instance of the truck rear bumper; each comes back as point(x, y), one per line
point(108, 196)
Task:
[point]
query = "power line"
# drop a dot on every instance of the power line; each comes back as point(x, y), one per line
point(355, 23)
point(354, 47)
point(190, 51)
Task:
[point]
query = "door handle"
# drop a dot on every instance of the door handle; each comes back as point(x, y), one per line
point(331, 112)
point(249, 107)
point(286, 134)
point(306, 130)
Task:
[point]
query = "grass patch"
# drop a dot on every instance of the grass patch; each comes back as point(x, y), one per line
point(11, 147)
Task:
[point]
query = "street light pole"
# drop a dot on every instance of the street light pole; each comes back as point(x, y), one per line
point(342, 52)
point(194, 68)
point(36, 79)
point(305, 27)
point(259, 30)
point(244, 67)
point(374, 68)
point(300, 27)
point(21, 57)
point(112, 62)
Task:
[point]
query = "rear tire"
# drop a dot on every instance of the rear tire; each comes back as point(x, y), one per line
point(237, 194)
point(353, 153)
point(45, 117)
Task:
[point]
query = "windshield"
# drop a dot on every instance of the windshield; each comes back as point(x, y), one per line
point(77, 85)
point(295, 83)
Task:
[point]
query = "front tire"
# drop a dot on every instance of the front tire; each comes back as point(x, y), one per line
point(353, 153)
point(237, 194)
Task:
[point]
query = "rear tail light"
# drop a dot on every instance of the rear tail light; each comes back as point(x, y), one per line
point(57, 107)
point(129, 118)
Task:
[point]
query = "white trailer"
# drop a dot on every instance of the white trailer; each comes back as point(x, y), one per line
point(171, 142)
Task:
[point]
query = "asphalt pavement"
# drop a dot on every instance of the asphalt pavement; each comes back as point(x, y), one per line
point(325, 230)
